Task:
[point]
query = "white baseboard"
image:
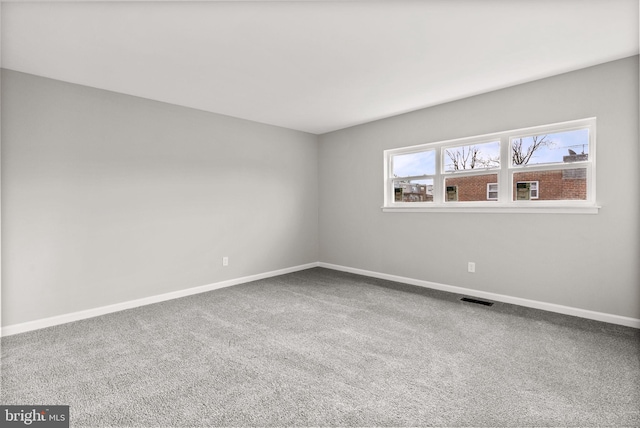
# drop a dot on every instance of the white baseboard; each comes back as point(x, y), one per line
point(551, 307)
point(90, 313)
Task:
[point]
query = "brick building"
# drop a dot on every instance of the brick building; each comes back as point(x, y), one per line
point(564, 184)
point(472, 188)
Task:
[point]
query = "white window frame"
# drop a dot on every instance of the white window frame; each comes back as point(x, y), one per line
point(505, 175)
point(537, 189)
point(489, 191)
point(393, 179)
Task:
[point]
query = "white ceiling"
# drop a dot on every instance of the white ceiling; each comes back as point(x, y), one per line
point(314, 66)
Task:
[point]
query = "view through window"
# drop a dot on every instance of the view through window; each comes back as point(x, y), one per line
point(547, 164)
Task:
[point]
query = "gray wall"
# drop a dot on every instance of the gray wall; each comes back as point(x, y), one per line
point(584, 261)
point(109, 198)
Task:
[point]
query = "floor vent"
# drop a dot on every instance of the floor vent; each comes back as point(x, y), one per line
point(479, 302)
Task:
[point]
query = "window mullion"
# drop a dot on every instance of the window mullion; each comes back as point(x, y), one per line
point(438, 180)
point(504, 178)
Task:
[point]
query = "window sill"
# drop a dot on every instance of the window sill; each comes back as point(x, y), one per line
point(494, 208)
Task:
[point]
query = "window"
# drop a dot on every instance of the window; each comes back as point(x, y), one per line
point(526, 190)
point(548, 159)
point(492, 191)
point(549, 168)
point(412, 176)
point(452, 193)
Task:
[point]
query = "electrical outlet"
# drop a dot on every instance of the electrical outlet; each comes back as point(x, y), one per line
point(225, 261)
point(471, 267)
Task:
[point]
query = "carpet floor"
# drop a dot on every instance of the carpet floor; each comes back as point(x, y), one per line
point(327, 348)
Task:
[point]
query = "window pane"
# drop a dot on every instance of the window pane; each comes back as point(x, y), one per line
point(570, 146)
point(557, 185)
point(473, 188)
point(474, 156)
point(413, 190)
point(414, 164)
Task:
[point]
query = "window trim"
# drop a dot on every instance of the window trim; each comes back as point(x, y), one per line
point(505, 175)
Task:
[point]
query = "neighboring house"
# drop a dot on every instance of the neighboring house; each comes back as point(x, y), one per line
point(565, 184)
point(414, 192)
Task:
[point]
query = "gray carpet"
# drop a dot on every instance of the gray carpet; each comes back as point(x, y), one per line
point(325, 348)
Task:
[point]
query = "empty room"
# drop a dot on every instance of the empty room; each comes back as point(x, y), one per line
point(320, 213)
